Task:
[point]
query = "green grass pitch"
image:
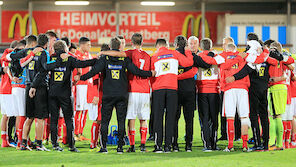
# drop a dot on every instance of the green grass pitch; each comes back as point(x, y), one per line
point(12, 157)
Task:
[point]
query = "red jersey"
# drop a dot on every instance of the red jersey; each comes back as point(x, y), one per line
point(93, 88)
point(293, 86)
point(81, 56)
point(142, 60)
point(5, 85)
point(166, 62)
point(278, 70)
point(233, 64)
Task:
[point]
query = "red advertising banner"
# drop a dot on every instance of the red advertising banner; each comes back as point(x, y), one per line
point(102, 24)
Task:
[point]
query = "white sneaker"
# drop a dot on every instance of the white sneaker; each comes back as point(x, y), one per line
point(38, 148)
point(228, 150)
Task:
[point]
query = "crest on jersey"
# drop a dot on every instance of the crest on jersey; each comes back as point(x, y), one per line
point(115, 74)
point(165, 66)
point(58, 76)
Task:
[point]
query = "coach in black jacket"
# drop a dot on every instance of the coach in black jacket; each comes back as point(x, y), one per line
point(115, 90)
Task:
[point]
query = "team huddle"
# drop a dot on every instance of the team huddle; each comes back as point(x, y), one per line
point(49, 81)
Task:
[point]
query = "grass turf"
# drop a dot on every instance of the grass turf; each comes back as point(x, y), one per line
point(12, 157)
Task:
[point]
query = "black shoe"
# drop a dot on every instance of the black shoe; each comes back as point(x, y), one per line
point(131, 149)
point(119, 150)
point(57, 148)
point(167, 149)
point(158, 149)
point(188, 148)
point(74, 149)
point(143, 148)
point(103, 150)
point(151, 138)
point(223, 138)
point(176, 148)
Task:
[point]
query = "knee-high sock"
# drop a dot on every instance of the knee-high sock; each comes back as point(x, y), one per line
point(245, 141)
point(60, 126)
point(288, 132)
point(272, 130)
point(20, 130)
point(279, 132)
point(46, 129)
point(83, 118)
point(143, 131)
point(64, 132)
point(94, 130)
point(131, 136)
point(285, 130)
point(230, 132)
point(77, 122)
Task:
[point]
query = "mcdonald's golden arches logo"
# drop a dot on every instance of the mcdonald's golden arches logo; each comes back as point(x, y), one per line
point(196, 26)
point(23, 24)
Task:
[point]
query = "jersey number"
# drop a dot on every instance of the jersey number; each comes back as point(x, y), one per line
point(115, 74)
point(142, 61)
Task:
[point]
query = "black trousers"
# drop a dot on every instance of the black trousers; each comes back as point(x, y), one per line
point(164, 99)
point(151, 120)
point(186, 99)
point(120, 104)
point(258, 107)
point(208, 109)
point(65, 103)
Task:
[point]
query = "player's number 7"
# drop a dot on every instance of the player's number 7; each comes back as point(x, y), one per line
point(142, 61)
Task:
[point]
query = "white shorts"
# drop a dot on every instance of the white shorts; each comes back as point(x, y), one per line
point(236, 99)
point(6, 104)
point(138, 106)
point(92, 111)
point(289, 113)
point(19, 101)
point(81, 97)
point(293, 103)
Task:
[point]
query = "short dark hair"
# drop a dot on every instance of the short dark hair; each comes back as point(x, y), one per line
point(115, 43)
point(22, 42)
point(137, 39)
point(252, 36)
point(51, 33)
point(72, 46)
point(206, 44)
point(105, 47)
point(42, 39)
point(59, 45)
point(268, 42)
point(30, 39)
point(161, 42)
point(120, 37)
point(13, 44)
point(67, 40)
point(83, 40)
point(180, 41)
